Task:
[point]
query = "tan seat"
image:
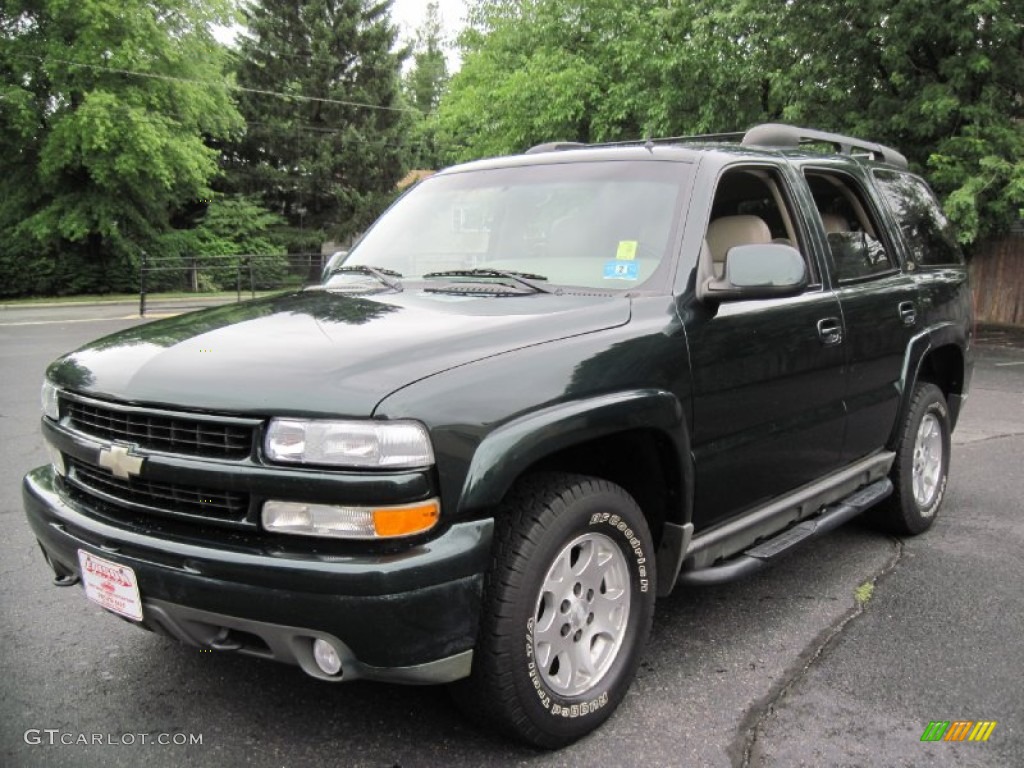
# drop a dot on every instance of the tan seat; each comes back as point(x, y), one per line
point(833, 222)
point(729, 231)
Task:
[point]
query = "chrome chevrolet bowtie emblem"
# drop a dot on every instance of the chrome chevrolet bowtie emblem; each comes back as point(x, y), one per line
point(119, 460)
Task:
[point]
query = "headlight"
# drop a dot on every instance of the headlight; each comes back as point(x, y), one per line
point(358, 444)
point(48, 395)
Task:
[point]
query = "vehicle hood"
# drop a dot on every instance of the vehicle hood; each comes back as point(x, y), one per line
point(317, 352)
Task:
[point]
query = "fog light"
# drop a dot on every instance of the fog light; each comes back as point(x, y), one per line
point(326, 657)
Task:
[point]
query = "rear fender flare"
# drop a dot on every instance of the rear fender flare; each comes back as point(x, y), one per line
point(920, 345)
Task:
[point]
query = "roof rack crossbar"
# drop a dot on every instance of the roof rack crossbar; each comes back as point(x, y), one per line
point(781, 135)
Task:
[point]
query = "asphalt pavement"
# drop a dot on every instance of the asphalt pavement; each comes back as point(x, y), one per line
point(786, 668)
point(16, 315)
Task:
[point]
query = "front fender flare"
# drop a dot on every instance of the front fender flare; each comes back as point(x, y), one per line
point(513, 447)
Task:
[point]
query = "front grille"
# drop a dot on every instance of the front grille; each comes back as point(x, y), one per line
point(212, 438)
point(170, 499)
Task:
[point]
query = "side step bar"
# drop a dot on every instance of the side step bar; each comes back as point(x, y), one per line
point(758, 556)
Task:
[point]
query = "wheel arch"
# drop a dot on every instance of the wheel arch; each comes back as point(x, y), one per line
point(637, 440)
point(937, 355)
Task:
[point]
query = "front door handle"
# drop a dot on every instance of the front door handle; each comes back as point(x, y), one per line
point(908, 313)
point(830, 331)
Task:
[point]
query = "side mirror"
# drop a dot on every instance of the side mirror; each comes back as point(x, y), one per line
point(759, 271)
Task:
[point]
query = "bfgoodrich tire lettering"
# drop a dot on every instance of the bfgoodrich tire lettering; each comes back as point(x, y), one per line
point(566, 612)
point(921, 468)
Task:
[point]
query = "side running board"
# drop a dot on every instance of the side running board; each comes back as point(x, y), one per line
point(758, 556)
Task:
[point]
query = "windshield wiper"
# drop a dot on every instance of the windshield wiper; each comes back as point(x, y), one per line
point(522, 278)
point(382, 274)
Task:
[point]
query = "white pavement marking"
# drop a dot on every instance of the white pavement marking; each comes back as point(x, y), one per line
point(1006, 365)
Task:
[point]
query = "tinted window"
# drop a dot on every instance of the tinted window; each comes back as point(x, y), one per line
point(851, 226)
point(925, 227)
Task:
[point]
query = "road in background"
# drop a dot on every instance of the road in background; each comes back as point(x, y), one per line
point(785, 668)
point(71, 313)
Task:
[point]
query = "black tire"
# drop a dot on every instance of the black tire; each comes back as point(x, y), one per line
point(539, 632)
point(918, 475)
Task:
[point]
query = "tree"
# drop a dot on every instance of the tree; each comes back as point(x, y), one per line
point(597, 70)
point(426, 80)
point(942, 80)
point(424, 84)
point(531, 72)
point(105, 110)
point(328, 155)
point(227, 226)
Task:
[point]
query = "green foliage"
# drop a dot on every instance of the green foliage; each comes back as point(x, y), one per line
point(533, 71)
point(426, 80)
point(423, 86)
point(229, 227)
point(106, 113)
point(600, 70)
point(328, 159)
point(941, 80)
point(864, 592)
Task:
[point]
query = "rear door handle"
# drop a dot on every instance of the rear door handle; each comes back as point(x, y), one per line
point(830, 331)
point(908, 313)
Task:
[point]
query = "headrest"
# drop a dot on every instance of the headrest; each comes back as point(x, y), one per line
point(729, 231)
point(834, 223)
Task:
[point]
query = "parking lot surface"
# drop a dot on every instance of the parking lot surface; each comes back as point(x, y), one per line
point(799, 665)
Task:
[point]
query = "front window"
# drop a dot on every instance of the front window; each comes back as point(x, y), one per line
point(607, 225)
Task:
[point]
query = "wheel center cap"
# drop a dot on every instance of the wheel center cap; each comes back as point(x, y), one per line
point(577, 615)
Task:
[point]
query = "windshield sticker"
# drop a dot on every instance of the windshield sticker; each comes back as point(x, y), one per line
point(626, 251)
point(621, 270)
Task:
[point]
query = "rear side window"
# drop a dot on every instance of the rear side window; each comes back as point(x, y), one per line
point(856, 243)
point(927, 231)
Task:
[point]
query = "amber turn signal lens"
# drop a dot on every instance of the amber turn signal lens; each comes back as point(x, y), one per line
point(406, 520)
point(341, 522)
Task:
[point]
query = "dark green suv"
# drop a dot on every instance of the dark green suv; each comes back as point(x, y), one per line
point(539, 393)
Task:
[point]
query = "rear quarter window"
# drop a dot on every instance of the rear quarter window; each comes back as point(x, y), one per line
point(926, 230)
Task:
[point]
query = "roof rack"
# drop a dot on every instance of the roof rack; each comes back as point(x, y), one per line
point(773, 135)
point(781, 136)
point(559, 146)
point(555, 146)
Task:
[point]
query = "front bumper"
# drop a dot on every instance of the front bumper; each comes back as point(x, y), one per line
point(405, 617)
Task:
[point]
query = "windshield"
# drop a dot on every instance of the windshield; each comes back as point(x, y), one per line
point(602, 225)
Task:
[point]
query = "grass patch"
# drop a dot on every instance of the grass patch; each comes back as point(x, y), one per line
point(864, 592)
